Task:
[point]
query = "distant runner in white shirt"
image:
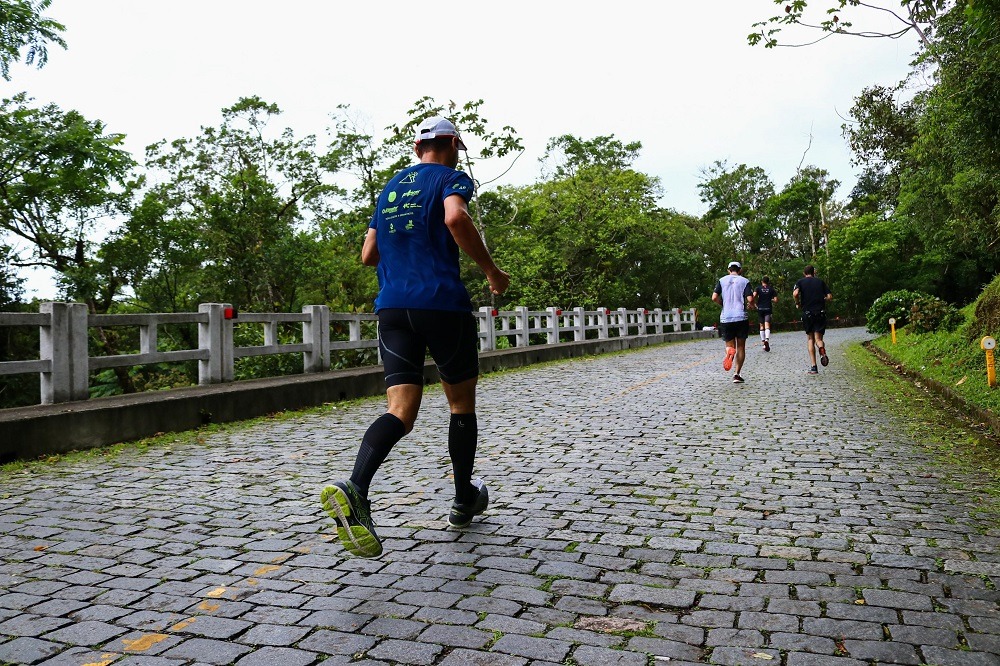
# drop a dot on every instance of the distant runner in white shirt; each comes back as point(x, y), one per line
point(735, 295)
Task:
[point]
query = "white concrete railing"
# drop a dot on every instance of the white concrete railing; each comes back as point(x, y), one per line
point(64, 363)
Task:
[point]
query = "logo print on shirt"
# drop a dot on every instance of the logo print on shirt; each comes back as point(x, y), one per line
point(409, 193)
point(392, 196)
point(409, 178)
point(409, 226)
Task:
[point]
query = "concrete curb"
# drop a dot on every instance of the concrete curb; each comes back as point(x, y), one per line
point(29, 432)
point(946, 393)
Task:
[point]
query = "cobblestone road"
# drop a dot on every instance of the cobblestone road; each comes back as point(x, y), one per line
point(645, 511)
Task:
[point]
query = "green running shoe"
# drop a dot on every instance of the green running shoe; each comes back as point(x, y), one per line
point(462, 514)
point(352, 513)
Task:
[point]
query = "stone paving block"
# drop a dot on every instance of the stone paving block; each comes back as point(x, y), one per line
point(588, 655)
point(273, 634)
point(455, 636)
point(809, 659)
point(802, 643)
point(652, 595)
point(882, 651)
point(730, 637)
point(269, 656)
point(840, 629)
point(741, 656)
point(85, 633)
point(900, 600)
point(943, 657)
point(405, 652)
point(336, 642)
point(25, 650)
point(207, 651)
point(533, 648)
point(462, 657)
point(675, 650)
point(983, 642)
point(924, 636)
point(28, 624)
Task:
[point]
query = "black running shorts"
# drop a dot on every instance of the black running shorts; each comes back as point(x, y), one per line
point(814, 322)
point(731, 330)
point(764, 316)
point(405, 336)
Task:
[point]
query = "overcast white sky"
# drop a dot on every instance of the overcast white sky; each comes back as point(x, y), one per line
point(676, 76)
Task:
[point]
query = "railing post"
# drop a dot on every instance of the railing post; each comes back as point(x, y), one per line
point(658, 320)
point(602, 323)
point(622, 322)
point(640, 321)
point(487, 329)
point(552, 334)
point(210, 339)
point(678, 320)
point(227, 325)
point(580, 321)
point(148, 338)
point(523, 323)
point(316, 332)
point(64, 344)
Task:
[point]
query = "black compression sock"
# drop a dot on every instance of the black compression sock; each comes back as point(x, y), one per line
point(381, 436)
point(463, 433)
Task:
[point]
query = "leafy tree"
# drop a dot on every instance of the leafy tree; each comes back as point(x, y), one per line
point(881, 133)
point(24, 29)
point(737, 198)
point(11, 284)
point(839, 16)
point(60, 175)
point(226, 223)
point(592, 236)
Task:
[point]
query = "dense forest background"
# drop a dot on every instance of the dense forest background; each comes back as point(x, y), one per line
point(251, 213)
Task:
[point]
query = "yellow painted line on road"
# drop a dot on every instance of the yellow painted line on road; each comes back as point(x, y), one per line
point(143, 643)
point(183, 624)
point(209, 607)
point(266, 569)
point(108, 658)
point(653, 380)
point(217, 592)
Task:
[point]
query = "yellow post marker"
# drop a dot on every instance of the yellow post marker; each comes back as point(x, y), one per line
point(988, 344)
point(892, 326)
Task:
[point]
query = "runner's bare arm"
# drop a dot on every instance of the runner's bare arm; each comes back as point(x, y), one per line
point(369, 252)
point(463, 230)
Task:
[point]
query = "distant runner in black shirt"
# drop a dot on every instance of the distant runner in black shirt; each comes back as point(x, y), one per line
point(765, 295)
point(811, 294)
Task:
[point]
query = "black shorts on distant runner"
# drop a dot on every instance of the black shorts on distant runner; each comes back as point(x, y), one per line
point(731, 330)
point(404, 337)
point(814, 322)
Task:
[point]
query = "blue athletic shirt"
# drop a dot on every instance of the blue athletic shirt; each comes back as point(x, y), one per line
point(418, 257)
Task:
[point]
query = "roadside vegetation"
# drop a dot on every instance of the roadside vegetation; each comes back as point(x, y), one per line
point(949, 353)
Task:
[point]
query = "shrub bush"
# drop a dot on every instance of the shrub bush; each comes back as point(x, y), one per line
point(891, 304)
point(930, 313)
point(986, 316)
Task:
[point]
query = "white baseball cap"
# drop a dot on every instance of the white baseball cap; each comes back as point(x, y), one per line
point(736, 264)
point(435, 127)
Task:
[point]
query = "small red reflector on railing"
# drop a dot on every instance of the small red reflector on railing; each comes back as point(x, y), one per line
point(494, 312)
point(230, 313)
point(607, 311)
point(645, 311)
point(558, 312)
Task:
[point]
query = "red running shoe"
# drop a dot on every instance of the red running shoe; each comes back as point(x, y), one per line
point(823, 358)
point(727, 363)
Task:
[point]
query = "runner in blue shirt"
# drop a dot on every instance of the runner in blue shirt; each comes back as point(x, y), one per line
point(420, 223)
